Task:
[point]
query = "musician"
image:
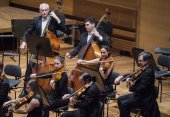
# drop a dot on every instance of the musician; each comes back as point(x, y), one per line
point(105, 67)
point(99, 37)
point(87, 103)
point(34, 107)
point(4, 88)
point(144, 94)
point(58, 85)
point(38, 24)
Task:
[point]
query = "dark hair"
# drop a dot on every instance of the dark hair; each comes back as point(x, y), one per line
point(86, 77)
point(1, 65)
point(91, 20)
point(60, 58)
point(34, 86)
point(106, 47)
point(146, 56)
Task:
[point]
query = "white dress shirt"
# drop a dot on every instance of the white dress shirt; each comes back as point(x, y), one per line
point(43, 26)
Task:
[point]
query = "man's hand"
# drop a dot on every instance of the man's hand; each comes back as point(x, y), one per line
point(33, 76)
point(55, 16)
point(68, 55)
point(96, 33)
point(23, 45)
point(66, 96)
point(129, 83)
point(80, 62)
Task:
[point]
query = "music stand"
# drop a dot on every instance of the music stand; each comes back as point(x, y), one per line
point(19, 26)
point(39, 46)
point(95, 73)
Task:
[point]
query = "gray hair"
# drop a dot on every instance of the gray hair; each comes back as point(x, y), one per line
point(43, 5)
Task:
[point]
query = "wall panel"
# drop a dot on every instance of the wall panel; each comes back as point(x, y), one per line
point(154, 24)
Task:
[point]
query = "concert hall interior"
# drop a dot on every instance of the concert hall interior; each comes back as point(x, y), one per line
point(121, 32)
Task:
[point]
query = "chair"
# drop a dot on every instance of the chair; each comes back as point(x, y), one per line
point(164, 61)
point(109, 97)
point(135, 53)
point(14, 71)
point(164, 51)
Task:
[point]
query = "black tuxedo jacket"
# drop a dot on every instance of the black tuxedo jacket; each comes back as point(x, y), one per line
point(4, 88)
point(83, 42)
point(144, 84)
point(35, 26)
point(89, 104)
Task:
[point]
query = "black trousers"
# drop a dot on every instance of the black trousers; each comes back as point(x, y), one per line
point(55, 104)
point(126, 103)
point(75, 113)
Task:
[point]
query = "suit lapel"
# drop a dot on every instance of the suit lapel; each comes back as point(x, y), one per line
point(40, 24)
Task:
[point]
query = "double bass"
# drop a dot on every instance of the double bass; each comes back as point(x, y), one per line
point(48, 62)
point(90, 51)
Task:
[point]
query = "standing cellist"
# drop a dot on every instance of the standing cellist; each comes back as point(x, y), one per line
point(38, 25)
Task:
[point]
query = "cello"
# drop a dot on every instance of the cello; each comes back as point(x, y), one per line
point(90, 51)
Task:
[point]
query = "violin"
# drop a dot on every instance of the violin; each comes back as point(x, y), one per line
point(105, 63)
point(78, 93)
point(18, 102)
point(24, 100)
point(58, 74)
point(137, 73)
point(82, 90)
point(133, 76)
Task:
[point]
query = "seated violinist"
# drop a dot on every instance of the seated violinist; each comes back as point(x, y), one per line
point(34, 107)
point(86, 100)
point(142, 86)
point(105, 66)
point(58, 85)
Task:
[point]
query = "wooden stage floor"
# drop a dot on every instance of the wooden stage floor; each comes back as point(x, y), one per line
point(123, 65)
